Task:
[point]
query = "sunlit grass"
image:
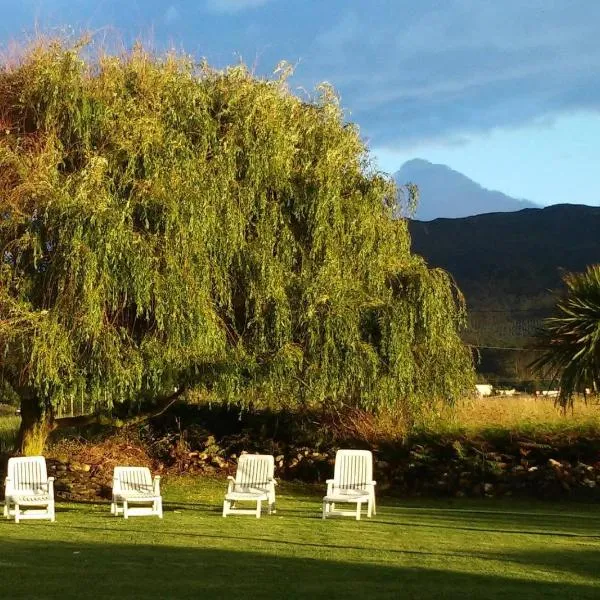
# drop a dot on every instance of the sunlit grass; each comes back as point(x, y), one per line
point(9, 426)
point(457, 549)
point(511, 411)
point(523, 414)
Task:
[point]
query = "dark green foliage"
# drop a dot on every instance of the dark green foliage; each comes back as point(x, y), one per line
point(571, 339)
point(167, 225)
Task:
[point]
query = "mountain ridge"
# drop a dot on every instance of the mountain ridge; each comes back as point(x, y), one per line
point(446, 193)
point(517, 254)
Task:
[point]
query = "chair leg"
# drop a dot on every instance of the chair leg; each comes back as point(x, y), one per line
point(325, 510)
point(258, 508)
point(271, 502)
point(373, 506)
point(158, 507)
point(358, 505)
point(52, 512)
point(125, 515)
point(226, 508)
point(17, 513)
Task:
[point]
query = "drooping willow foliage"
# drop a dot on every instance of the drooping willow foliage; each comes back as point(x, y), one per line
point(570, 340)
point(165, 224)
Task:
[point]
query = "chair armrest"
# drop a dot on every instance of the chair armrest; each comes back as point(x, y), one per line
point(7, 485)
point(329, 483)
point(157, 485)
point(373, 483)
point(51, 486)
point(116, 485)
point(230, 483)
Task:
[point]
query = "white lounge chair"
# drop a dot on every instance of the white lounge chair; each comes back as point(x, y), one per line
point(28, 491)
point(136, 493)
point(352, 483)
point(254, 481)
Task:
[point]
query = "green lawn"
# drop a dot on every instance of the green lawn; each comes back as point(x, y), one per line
point(459, 549)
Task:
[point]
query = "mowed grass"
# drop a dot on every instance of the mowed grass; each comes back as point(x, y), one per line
point(446, 549)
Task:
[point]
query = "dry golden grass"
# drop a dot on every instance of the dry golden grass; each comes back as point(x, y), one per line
point(518, 414)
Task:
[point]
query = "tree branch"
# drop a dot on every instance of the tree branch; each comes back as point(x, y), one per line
point(110, 420)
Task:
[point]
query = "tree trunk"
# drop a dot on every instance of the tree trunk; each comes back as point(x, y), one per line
point(37, 422)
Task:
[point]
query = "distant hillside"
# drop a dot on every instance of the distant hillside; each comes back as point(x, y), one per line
point(508, 265)
point(449, 194)
point(521, 254)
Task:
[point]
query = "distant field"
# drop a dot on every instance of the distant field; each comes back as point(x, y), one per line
point(522, 413)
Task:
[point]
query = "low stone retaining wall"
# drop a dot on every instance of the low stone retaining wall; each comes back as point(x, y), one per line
point(451, 468)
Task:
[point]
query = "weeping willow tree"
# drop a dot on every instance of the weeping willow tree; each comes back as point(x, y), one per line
point(166, 225)
point(570, 340)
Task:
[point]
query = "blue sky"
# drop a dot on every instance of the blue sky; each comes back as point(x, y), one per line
point(506, 92)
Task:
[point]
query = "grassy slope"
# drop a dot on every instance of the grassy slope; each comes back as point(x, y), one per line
point(410, 550)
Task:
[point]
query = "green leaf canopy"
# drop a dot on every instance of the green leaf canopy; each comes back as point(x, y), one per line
point(165, 224)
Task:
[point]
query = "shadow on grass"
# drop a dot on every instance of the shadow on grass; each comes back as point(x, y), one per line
point(512, 529)
point(34, 569)
point(497, 521)
point(555, 561)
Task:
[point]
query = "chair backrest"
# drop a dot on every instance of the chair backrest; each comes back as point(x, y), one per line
point(133, 478)
point(353, 469)
point(255, 470)
point(27, 472)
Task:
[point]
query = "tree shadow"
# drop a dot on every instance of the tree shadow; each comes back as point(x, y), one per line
point(41, 569)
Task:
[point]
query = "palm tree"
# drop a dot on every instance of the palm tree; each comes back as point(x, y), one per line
point(570, 340)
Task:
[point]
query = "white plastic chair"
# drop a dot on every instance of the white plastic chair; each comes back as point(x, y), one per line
point(28, 491)
point(254, 481)
point(352, 483)
point(136, 493)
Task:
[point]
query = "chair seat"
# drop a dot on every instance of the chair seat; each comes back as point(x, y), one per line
point(249, 494)
point(133, 495)
point(347, 496)
point(31, 497)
